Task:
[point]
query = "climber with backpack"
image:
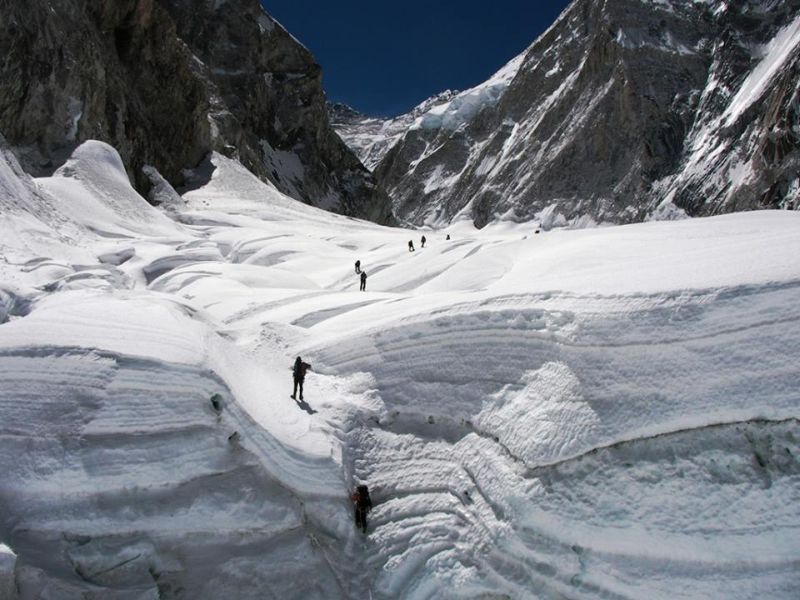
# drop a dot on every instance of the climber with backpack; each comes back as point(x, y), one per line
point(362, 504)
point(299, 375)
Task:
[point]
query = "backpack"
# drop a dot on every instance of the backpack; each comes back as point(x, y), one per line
point(364, 501)
point(299, 370)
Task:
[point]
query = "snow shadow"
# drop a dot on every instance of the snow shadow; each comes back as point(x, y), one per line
point(319, 316)
point(303, 405)
point(200, 176)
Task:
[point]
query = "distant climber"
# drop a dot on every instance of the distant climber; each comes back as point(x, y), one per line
point(299, 373)
point(423, 240)
point(362, 504)
point(363, 281)
point(448, 236)
point(358, 267)
point(410, 245)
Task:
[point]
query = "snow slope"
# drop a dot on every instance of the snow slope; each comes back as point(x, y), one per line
point(464, 106)
point(604, 413)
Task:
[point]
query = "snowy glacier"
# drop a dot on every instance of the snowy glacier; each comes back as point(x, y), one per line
point(596, 413)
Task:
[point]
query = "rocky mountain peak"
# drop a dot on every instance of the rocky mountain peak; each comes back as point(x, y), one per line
point(622, 110)
point(343, 113)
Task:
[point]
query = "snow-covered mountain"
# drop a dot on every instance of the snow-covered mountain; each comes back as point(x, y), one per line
point(371, 137)
point(168, 81)
point(622, 110)
point(570, 414)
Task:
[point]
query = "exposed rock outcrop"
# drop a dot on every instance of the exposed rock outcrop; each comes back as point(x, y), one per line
point(74, 70)
point(227, 77)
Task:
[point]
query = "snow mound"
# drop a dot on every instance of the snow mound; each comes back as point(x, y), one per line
point(93, 188)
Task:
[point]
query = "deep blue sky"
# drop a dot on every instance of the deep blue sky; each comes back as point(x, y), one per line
point(383, 58)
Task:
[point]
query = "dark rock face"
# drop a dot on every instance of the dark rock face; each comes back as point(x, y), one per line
point(228, 78)
point(622, 109)
point(74, 70)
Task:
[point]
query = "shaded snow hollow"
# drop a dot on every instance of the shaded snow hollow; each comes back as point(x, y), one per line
point(604, 413)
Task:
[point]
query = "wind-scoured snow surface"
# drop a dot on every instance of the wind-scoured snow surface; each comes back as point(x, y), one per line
point(604, 413)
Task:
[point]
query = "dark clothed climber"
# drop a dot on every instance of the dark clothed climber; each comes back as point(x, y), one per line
point(362, 505)
point(299, 374)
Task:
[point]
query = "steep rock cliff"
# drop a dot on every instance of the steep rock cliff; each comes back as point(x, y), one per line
point(228, 78)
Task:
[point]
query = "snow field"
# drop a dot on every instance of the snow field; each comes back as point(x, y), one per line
point(607, 413)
